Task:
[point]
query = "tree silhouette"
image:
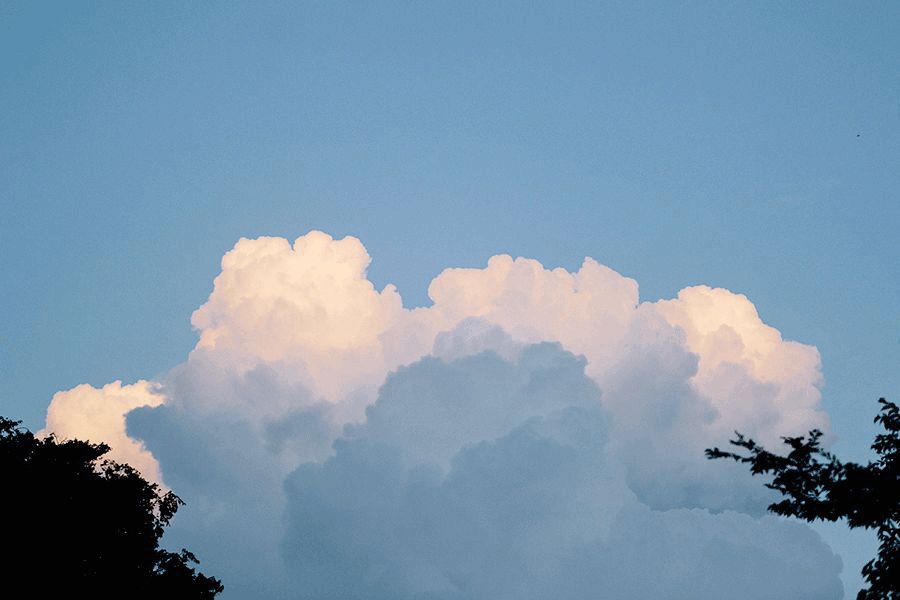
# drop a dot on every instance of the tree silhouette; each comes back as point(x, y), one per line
point(82, 524)
point(816, 485)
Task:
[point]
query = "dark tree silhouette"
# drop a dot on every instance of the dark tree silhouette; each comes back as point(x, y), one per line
point(73, 523)
point(816, 485)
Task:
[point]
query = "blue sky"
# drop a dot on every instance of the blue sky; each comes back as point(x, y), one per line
point(749, 146)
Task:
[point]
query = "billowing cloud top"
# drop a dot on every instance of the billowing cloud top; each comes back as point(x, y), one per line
point(532, 430)
point(307, 307)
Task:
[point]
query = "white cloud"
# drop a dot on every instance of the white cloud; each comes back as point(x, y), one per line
point(756, 380)
point(98, 415)
point(306, 309)
point(586, 311)
point(295, 342)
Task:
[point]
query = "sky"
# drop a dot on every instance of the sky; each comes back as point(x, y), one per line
point(748, 147)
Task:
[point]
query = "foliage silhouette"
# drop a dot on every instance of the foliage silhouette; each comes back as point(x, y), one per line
point(82, 524)
point(816, 485)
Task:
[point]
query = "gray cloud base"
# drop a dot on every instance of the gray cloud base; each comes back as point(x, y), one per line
point(479, 478)
point(473, 477)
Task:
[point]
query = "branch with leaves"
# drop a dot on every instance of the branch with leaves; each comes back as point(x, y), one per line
point(816, 485)
point(91, 524)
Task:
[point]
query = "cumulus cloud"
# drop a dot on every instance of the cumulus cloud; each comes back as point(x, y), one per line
point(231, 480)
point(519, 435)
point(98, 415)
point(586, 311)
point(752, 376)
point(306, 309)
point(480, 478)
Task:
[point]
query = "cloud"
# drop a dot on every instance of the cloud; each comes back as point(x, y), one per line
point(98, 415)
point(305, 308)
point(231, 481)
point(754, 378)
point(687, 554)
point(478, 478)
point(319, 428)
point(587, 311)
